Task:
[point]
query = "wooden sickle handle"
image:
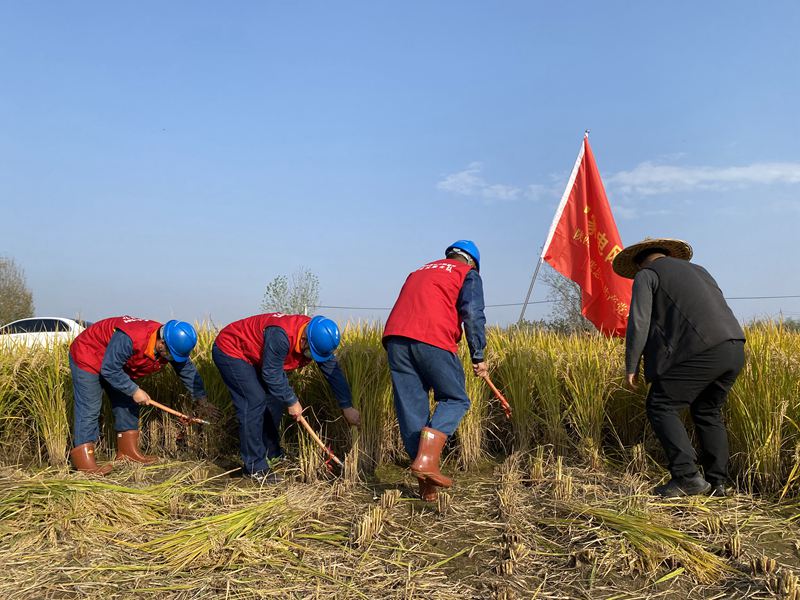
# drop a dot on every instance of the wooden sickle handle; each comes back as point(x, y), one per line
point(177, 413)
point(302, 420)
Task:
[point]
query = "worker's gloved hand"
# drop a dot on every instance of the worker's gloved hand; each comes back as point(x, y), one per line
point(480, 369)
point(205, 410)
point(141, 397)
point(295, 409)
point(352, 416)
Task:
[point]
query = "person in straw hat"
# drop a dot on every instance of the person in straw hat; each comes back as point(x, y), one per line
point(693, 349)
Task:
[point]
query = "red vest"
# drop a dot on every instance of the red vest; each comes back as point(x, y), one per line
point(426, 308)
point(90, 346)
point(244, 339)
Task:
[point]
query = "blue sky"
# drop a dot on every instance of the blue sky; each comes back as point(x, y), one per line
point(169, 159)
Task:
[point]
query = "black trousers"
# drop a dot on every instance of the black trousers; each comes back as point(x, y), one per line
point(702, 384)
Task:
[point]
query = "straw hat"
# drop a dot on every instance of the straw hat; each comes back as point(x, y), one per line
point(623, 262)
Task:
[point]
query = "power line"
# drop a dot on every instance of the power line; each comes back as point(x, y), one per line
point(350, 307)
point(390, 308)
point(520, 303)
point(545, 302)
point(759, 297)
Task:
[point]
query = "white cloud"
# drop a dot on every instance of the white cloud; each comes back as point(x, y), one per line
point(649, 178)
point(538, 192)
point(626, 211)
point(629, 211)
point(470, 182)
point(465, 183)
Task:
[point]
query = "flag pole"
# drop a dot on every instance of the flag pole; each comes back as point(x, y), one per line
point(554, 224)
point(530, 289)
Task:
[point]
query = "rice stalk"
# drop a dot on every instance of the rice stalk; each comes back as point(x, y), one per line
point(11, 414)
point(545, 374)
point(364, 363)
point(471, 431)
point(589, 377)
point(787, 585)
point(759, 408)
point(537, 464)
point(43, 509)
point(514, 363)
point(562, 482)
point(311, 461)
point(368, 526)
point(654, 541)
point(44, 386)
point(351, 473)
point(198, 540)
point(564, 391)
point(389, 499)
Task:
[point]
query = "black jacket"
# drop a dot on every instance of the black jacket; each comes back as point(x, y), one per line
point(689, 315)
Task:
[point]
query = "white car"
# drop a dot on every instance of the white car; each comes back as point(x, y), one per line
point(40, 331)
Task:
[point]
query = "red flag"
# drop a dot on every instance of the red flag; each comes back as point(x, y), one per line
point(583, 242)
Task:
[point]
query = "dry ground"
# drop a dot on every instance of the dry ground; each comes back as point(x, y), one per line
point(529, 527)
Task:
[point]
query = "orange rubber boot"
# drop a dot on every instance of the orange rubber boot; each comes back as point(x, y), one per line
point(83, 459)
point(427, 491)
point(128, 448)
point(429, 455)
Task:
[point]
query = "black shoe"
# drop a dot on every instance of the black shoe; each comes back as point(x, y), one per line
point(718, 490)
point(683, 486)
point(264, 477)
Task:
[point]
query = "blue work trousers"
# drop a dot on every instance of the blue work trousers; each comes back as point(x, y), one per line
point(417, 368)
point(259, 412)
point(88, 393)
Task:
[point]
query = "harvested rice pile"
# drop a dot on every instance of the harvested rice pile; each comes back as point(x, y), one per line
point(532, 526)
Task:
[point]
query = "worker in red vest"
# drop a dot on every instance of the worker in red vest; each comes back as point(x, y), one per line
point(109, 355)
point(253, 356)
point(421, 339)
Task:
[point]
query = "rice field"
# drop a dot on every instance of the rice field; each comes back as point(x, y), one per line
point(552, 504)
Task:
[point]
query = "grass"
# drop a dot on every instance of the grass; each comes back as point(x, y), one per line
point(44, 386)
point(590, 375)
point(549, 391)
point(364, 363)
point(515, 359)
point(186, 530)
point(565, 392)
point(471, 433)
point(563, 511)
point(764, 409)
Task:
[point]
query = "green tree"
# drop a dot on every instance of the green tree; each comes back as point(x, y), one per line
point(16, 300)
point(293, 295)
point(789, 323)
point(792, 324)
point(565, 314)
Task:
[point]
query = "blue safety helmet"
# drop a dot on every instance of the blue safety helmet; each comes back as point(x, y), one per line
point(181, 338)
point(323, 338)
point(470, 248)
